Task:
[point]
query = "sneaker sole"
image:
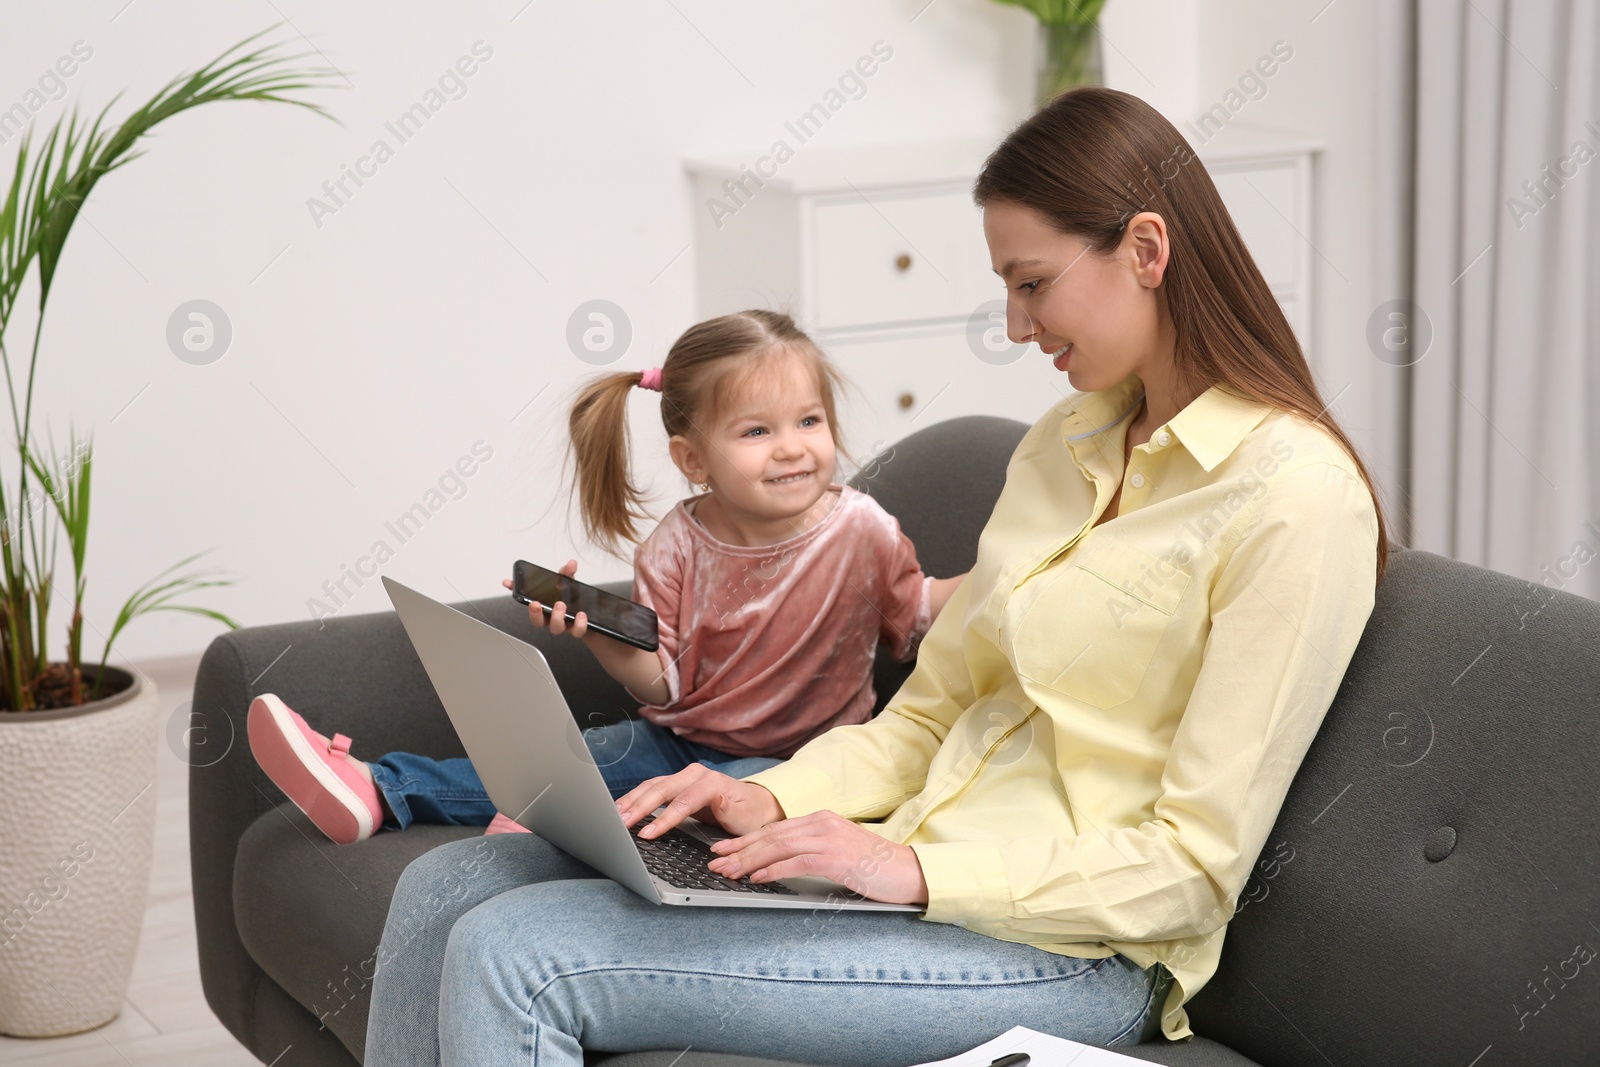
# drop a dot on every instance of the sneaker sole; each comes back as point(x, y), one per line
point(294, 765)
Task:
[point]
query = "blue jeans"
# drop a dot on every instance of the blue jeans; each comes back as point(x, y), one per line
point(449, 792)
point(505, 950)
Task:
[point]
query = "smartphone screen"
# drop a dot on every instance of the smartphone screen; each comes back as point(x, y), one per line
point(608, 614)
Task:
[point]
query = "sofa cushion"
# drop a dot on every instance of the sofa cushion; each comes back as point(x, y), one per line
point(311, 912)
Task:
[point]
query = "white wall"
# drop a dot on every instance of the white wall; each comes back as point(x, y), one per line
point(377, 348)
point(1185, 56)
point(1327, 92)
point(1151, 48)
point(430, 311)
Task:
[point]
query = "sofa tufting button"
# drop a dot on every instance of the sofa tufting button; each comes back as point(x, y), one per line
point(1440, 844)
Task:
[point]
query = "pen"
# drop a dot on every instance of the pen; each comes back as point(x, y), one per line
point(1016, 1059)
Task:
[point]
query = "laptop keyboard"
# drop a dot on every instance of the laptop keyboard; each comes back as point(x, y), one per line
point(680, 859)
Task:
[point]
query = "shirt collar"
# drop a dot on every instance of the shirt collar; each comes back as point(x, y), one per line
point(1214, 423)
point(1211, 427)
point(1088, 413)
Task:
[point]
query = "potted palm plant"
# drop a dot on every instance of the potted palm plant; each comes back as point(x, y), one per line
point(1069, 43)
point(78, 741)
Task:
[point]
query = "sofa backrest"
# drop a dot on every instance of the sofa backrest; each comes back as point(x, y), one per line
point(941, 483)
point(1428, 894)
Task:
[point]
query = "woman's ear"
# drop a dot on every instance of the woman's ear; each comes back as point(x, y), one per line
point(1146, 238)
point(686, 457)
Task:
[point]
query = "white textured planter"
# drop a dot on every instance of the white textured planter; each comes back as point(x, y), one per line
point(77, 825)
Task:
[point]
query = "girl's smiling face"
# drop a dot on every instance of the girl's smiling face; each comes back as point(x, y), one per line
point(1099, 317)
point(770, 456)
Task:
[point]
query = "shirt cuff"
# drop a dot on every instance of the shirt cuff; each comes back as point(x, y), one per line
point(966, 882)
point(799, 789)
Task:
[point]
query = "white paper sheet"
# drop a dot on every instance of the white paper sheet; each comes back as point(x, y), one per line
point(1043, 1051)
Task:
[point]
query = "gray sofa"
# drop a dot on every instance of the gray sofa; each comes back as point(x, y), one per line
point(1427, 897)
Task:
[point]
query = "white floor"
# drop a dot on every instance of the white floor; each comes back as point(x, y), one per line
point(165, 1019)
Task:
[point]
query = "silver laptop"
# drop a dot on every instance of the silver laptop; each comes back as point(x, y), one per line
point(526, 746)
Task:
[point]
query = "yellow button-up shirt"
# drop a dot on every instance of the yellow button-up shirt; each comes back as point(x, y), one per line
point(1104, 720)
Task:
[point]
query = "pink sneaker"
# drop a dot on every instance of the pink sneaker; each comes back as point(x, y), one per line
point(500, 824)
point(335, 791)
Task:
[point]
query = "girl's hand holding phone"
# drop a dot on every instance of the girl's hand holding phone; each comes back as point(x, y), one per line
point(557, 618)
point(623, 640)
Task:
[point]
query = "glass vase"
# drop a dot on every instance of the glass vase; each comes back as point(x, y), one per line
point(1069, 55)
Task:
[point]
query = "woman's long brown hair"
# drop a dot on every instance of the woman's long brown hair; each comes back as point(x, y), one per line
point(706, 365)
point(1094, 157)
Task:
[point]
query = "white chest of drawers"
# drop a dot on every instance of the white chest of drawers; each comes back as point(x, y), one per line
point(878, 252)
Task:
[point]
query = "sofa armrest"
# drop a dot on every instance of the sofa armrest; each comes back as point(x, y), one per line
point(356, 675)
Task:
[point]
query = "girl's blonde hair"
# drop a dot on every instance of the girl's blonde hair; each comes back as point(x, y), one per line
point(704, 370)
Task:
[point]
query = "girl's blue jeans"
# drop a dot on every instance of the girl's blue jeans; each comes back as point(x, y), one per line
point(504, 950)
point(448, 792)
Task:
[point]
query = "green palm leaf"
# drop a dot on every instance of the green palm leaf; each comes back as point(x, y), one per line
point(1061, 12)
point(146, 600)
point(48, 189)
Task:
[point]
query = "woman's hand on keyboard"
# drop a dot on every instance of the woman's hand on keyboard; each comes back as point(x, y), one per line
point(698, 791)
point(825, 843)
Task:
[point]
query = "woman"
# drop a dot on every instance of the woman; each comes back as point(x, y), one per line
point(1097, 737)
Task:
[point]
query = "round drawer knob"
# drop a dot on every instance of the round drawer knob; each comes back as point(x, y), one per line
point(902, 262)
point(907, 401)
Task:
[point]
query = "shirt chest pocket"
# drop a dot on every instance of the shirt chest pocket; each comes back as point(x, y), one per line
point(1093, 625)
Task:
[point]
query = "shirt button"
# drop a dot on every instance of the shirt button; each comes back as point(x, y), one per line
point(960, 922)
point(1163, 438)
point(1137, 481)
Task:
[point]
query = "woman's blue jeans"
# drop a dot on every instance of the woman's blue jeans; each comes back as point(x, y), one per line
point(504, 950)
point(449, 792)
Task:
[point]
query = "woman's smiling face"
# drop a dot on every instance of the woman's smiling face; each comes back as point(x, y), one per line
point(1098, 317)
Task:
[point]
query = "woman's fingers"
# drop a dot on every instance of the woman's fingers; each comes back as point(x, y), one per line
point(570, 568)
point(790, 851)
point(580, 625)
point(730, 845)
point(777, 870)
point(777, 841)
point(831, 846)
point(649, 795)
point(699, 792)
point(695, 791)
point(706, 789)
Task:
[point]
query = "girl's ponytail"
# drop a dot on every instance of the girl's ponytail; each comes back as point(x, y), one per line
point(608, 499)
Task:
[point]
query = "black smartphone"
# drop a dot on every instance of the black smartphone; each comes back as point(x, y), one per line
point(608, 614)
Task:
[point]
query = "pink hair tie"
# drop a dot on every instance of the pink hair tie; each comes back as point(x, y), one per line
point(651, 379)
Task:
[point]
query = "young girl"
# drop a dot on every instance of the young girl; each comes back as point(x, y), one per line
point(773, 587)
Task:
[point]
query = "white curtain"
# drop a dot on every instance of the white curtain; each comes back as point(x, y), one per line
point(1492, 180)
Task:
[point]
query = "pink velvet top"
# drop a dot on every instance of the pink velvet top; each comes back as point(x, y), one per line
point(765, 648)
